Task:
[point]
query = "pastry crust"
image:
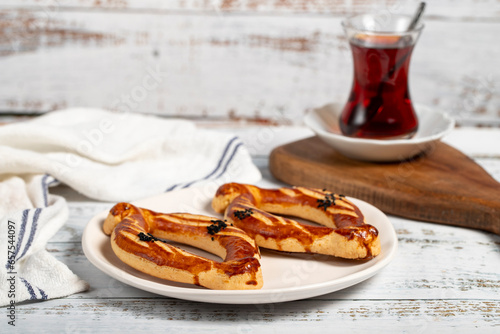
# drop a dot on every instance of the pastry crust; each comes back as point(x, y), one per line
point(344, 232)
point(135, 239)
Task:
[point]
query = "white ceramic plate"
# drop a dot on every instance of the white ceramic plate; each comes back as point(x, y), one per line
point(286, 277)
point(433, 125)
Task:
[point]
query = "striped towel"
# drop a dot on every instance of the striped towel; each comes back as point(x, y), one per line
point(105, 156)
point(30, 217)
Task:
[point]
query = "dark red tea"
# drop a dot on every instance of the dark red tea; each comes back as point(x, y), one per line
point(379, 105)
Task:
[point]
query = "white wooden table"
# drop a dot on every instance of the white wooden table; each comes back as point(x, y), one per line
point(443, 278)
point(239, 59)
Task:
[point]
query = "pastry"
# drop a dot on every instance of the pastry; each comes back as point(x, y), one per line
point(343, 231)
point(138, 239)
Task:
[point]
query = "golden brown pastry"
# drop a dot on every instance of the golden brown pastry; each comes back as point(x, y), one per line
point(344, 232)
point(136, 235)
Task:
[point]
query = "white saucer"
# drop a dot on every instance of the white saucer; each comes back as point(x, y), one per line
point(286, 277)
point(433, 125)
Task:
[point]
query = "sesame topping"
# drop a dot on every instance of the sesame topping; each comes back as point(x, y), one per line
point(242, 214)
point(147, 237)
point(217, 226)
point(327, 202)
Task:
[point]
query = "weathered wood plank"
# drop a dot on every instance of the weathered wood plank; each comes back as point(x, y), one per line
point(269, 68)
point(443, 8)
point(109, 315)
point(477, 143)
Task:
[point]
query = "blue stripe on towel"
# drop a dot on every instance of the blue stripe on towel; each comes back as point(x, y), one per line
point(33, 231)
point(42, 293)
point(230, 159)
point(219, 164)
point(171, 188)
point(30, 288)
point(222, 158)
point(45, 189)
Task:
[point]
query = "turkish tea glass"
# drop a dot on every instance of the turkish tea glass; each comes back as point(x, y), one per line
point(379, 104)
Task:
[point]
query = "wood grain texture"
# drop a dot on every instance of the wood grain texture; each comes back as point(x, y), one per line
point(462, 9)
point(444, 186)
point(270, 64)
point(113, 315)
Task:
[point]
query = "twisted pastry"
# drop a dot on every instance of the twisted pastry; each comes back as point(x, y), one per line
point(344, 232)
point(135, 239)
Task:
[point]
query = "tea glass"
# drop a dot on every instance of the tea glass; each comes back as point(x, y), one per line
point(379, 104)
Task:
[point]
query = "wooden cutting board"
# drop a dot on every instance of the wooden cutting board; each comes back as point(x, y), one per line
point(444, 186)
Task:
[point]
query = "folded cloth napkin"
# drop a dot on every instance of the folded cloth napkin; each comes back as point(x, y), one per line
point(105, 156)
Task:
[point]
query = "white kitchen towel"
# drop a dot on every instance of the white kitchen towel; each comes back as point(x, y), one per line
point(105, 156)
point(29, 218)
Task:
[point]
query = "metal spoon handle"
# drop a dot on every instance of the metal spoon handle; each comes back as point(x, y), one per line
point(376, 102)
point(413, 24)
point(417, 16)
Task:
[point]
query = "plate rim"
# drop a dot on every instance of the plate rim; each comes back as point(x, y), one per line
point(245, 296)
point(420, 109)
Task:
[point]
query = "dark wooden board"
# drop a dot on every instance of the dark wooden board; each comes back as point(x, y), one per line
point(443, 186)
